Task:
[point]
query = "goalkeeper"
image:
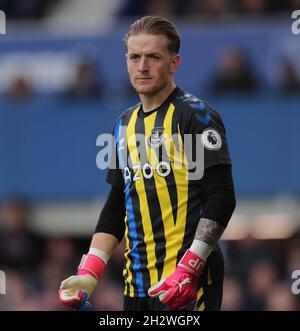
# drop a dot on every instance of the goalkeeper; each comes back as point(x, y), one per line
point(172, 220)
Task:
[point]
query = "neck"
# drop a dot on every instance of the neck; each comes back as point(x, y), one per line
point(151, 102)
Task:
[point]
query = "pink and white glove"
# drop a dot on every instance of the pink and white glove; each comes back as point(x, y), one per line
point(76, 290)
point(179, 290)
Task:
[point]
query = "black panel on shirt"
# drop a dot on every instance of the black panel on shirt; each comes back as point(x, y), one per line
point(197, 117)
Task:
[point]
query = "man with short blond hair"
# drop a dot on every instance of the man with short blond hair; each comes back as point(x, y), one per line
point(172, 216)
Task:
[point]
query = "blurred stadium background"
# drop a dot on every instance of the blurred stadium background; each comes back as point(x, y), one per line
point(63, 82)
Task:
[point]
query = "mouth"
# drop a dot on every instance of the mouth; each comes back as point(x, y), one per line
point(143, 79)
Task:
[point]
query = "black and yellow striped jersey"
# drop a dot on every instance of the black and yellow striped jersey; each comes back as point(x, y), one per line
point(163, 202)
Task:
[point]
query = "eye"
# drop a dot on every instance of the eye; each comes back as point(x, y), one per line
point(154, 57)
point(134, 56)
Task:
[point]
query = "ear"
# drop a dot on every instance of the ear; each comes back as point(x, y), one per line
point(175, 62)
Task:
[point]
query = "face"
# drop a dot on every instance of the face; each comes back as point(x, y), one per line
point(149, 63)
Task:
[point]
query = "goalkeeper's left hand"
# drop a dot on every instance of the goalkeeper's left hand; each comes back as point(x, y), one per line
point(179, 290)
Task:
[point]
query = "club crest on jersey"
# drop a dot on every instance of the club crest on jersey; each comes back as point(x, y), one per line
point(211, 139)
point(156, 138)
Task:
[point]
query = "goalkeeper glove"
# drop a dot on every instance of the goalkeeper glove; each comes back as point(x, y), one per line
point(179, 290)
point(76, 290)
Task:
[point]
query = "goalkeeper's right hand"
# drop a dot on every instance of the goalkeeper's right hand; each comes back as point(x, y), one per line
point(76, 290)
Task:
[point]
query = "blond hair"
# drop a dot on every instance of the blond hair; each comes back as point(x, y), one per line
point(155, 25)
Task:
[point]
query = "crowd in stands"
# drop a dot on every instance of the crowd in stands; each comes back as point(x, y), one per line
point(233, 74)
point(234, 71)
point(26, 9)
point(258, 272)
point(208, 9)
point(35, 264)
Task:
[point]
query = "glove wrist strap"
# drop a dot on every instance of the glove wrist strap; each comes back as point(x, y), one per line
point(201, 248)
point(192, 262)
point(91, 265)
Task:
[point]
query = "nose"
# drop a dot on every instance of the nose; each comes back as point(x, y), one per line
point(143, 64)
